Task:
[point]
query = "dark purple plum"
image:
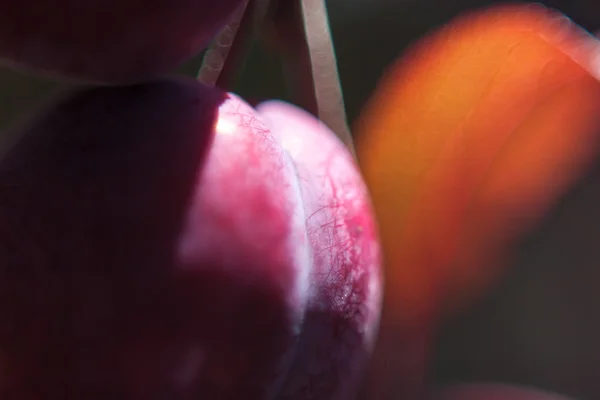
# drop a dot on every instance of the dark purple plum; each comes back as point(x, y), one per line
point(107, 41)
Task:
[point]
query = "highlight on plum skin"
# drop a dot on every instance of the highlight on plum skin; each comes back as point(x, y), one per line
point(342, 313)
point(154, 242)
point(107, 41)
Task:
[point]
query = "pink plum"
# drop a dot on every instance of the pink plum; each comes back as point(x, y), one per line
point(344, 297)
point(156, 242)
point(108, 41)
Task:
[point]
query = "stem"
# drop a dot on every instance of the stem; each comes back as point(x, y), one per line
point(225, 58)
point(326, 80)
point(301, 33)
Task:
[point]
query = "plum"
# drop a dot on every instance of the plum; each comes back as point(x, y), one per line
point(107, 41)
point(341, 313)
point(155, 243)
point(492, 391)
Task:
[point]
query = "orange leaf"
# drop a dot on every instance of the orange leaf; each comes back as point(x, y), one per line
point(481, 124)
point(469, 138)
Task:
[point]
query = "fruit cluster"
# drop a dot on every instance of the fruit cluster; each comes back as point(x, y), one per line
point(162, 239)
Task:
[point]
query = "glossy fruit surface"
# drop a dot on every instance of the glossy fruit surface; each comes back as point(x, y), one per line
point(107, 41)
point(154, 242)
point(470, 137)
point(342, 313)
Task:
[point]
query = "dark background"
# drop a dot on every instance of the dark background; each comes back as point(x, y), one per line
point(541, 324)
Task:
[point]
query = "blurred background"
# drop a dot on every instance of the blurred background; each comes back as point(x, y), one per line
point(540, 325)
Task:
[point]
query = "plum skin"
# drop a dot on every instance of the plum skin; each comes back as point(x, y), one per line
point(114, 42)
point(344, 299)
point(154, 243)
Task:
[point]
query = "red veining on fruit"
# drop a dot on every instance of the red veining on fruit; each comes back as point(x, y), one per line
point(344, 283)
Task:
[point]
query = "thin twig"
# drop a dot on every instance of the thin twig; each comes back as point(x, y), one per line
point(330, 99)
point(225, 58)
point(301, 33)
